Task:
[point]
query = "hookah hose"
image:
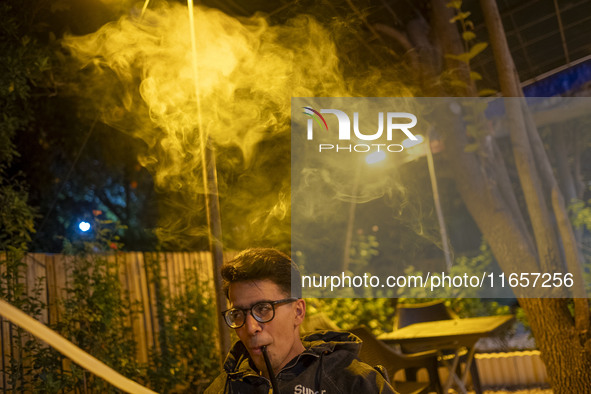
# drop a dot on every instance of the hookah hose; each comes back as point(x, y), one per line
point(270, 371)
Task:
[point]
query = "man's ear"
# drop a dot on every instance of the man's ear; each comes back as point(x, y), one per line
point(300, 311)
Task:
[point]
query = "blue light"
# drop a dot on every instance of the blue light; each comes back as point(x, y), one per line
point(84, 226)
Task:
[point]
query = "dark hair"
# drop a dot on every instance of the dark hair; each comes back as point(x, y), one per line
point(260, 264)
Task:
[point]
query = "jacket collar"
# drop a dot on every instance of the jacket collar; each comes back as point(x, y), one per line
point(238, 362)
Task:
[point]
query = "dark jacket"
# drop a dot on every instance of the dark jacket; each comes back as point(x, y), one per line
point(329, 365)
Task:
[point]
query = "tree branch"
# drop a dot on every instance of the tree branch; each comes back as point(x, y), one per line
point(116, 209)
point(529, 177)
point(572, 257)
point(402, 40)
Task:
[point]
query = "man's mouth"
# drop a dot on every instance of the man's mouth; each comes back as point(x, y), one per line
point(258, 350)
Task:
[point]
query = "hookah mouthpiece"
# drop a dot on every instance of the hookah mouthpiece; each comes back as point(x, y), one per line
point(270, 371)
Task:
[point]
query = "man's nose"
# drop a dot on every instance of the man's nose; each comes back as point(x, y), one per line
point(252, 326)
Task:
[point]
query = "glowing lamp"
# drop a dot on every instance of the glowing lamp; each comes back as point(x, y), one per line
point(84, 226)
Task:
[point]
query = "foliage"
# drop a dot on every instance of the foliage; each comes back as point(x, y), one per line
point(363, 248)
point(580, 213)
point(97, 312)
point(68, 173)
point(375, 313)
point(467, 26)
point(96, 316)
point(22, 369)
point(464, 302)
point(24, 66)
point(186, 359)
point(22, 62)
point(378, 313)
point(16, 216)
point(472, 48)
point(191, 324)
point(347, 313)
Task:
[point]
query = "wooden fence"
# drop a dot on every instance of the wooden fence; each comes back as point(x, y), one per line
point(51, 275)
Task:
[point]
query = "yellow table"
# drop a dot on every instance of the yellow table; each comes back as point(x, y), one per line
point(453, 335)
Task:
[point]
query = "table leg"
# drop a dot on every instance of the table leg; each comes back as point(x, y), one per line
point(469, 360)
point(470, 368)
point(453, 377)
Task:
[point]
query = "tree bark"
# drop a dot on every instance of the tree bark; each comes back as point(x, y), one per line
point(529, 176)
point(572, 258)
point(567, 181)
point(566, 357)
point(519, 247)
point(564, 344)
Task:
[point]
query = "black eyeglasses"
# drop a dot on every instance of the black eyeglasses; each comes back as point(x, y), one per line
point(263, 312)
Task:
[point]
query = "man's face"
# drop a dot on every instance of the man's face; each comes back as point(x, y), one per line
point(280, 335)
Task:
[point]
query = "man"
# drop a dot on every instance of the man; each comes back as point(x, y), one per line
point(266, 318)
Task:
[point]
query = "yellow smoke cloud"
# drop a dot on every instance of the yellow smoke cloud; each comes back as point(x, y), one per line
point(139, 72)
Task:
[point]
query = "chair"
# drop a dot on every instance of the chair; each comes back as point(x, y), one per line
point(407, 314)
point(375, 352)
point(318, 322)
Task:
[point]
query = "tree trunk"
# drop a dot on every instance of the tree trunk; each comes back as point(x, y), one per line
point(537, 205)
point(564, 352)
point(564, 341)
point(519, 247)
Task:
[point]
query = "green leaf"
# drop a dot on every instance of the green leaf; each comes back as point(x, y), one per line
point(457, 4)
point(475, 76)
point(43, 64)
point(458, 83)
point(451, 56)
point(467, 56)
point(477, 48)
point(486, 92)
point(471, 148)
point(464, 57)
point(460, 16)
point(468, 35)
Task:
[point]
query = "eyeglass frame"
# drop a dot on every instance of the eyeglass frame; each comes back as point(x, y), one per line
point(245, 310)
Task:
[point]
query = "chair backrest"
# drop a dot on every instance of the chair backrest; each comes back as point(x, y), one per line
point(317, 322)
point(388, 362)
point(407, 314)
point(375, 352)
